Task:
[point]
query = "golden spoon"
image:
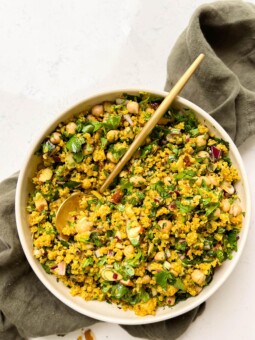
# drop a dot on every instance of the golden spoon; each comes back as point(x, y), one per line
point(163, 107)
point(72, 203)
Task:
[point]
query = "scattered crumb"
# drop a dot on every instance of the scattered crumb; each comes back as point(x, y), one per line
point(89, 335)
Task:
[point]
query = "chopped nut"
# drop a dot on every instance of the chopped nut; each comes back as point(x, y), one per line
point(198, 277)
point(71, 128)
point(40, 202)
point(45, 175)
point(133, 107)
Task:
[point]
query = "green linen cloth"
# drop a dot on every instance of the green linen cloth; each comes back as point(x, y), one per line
point(224, 85)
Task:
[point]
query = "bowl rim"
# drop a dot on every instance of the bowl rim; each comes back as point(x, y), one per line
point(139, 320)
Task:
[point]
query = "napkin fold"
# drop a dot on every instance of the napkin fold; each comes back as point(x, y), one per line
point(224, 85)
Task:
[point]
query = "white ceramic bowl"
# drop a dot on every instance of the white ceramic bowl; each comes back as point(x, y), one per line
point(102, 310)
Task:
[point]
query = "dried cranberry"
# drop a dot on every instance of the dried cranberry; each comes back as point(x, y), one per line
point(56, 159)
point(177, 193)
point(117, 196)
point(187, 161)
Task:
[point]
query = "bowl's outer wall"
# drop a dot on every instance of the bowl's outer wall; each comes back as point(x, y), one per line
point(103, 311)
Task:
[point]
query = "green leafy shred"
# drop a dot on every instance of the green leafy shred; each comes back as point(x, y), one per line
point(179, 284)
point(112, 123)
point(232, 239)
point(184, 209)
point(188, 117)
point(160, 188)
point(78, 157)
point(72, 184)
point(48, 147)
point(126, 185)
point(117, 151)
point(146, 150)
point(211, 208)
point(163, 278)
point(75, 143)
point(103, 142)
point(87, 262)
point(220, 255)
point(186, 174)
point(119, 290)
point(88, 128)
point(134, 262)
point(102, 261)
point(46, 268)
point(64, 243)
point(97, 126)
point(181, 246)
point(145, 297)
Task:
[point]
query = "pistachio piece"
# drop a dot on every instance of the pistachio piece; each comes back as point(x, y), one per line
point(167, 265)
point(134, 232)
point(40, 202)
point(128, 282)
point(135, 240)
point(109, 274)
point(45, 175)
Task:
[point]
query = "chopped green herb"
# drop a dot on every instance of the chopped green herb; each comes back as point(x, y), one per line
point(103, 142)
point(163, 277)
point(112, 122)
point(78, 157)
point(119, 291)
point(145, 297)
point(146, 150)
point(75, 143)
point(220, 255)
point(97, 126)
point(88, 128)
point(211, 208)
point(184, 209)
point(179, 284)
point(102, 261)
point(126, 185)
point(186, 174)
point(232, 239)
point(46, 268)
point(72, 184)
point(48, 147)
point(134, 262)
point(87, 262)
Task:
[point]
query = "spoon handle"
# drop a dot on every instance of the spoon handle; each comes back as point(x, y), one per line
point(140, 138)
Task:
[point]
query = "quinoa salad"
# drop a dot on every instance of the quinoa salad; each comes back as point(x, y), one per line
point(157, 234)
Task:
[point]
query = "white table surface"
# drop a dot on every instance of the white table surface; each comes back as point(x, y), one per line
point(55, 53)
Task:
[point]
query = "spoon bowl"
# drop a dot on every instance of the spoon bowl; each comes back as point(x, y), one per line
point(70, 209)
point(67, 211)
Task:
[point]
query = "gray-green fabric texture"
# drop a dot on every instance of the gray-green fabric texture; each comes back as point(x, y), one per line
point(224, 85)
